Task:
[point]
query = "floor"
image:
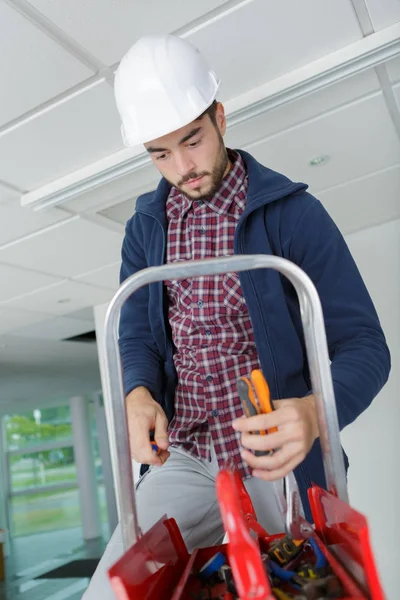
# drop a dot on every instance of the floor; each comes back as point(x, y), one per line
point(33, 555)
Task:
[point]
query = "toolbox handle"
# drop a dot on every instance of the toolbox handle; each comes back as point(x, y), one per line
point(243, 550)
point(317, 354)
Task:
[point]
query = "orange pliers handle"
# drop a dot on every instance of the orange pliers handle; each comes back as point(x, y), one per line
point(251, 408)
point(262, 394)
point(255, 396)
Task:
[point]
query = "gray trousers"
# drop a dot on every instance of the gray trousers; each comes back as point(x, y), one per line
point(184, 489)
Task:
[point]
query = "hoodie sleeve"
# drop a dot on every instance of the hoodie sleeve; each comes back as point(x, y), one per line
point(141, 361)
point(360, 359)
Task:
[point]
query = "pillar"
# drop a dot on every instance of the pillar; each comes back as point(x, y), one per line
point(84, 459)
point(104, 448)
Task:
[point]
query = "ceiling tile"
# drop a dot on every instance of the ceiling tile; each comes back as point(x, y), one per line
point(12, 319)
point(107, 277)
point(83, 314)
point(34, 66)
point(67, 249)
point(62, 298)
point(393, 69)
point(132, 183)
point(383, 12)
point(71, 135)
point(305, 108)
point(397, 93)
point(120, 212)
point(108, 29)
point(359, 139)
point(17, 221)
point(360, 204)
point(15, 282)
point(8, 195)
point(266, 47)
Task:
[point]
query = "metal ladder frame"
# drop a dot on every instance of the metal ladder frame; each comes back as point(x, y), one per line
point(317, 355)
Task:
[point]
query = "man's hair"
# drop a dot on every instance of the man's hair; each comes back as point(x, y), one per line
point(211, 111)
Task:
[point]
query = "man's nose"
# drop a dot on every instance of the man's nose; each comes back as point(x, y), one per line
point(184, 165)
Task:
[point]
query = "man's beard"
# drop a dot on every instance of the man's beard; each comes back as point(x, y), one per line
point(217, 175)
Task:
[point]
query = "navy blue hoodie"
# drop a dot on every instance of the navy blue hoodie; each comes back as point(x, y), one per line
point(282, 219)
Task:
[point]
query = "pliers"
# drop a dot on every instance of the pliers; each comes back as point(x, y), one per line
point(256, 400)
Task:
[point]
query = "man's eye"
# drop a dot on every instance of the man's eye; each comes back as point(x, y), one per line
point(161, 157)
point(194, 144)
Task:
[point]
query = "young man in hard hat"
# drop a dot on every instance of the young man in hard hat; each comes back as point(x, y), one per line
point(184, 344)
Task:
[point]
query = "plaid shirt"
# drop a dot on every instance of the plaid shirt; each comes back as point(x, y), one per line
point(211, 327)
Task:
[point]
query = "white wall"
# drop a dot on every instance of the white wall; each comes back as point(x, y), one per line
point(373, 441)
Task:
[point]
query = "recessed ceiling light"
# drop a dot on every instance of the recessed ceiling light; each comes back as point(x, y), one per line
point(64, 301)
point(319, 160)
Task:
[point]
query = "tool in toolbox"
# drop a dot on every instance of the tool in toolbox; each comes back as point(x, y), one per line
point(157, 565)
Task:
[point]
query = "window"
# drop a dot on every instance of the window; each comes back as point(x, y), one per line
point(34, 428)
point(45, 511)
point(41, 469)
point(42, 477)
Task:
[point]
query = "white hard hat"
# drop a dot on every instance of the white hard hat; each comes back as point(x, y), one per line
point(162, 84)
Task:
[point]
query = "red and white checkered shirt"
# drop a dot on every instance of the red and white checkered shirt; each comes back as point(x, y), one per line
point(211, 327)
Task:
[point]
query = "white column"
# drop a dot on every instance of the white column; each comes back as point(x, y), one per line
point(85, 467)
point(106, 462)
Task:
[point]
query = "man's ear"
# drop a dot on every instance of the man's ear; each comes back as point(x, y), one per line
point(220, 118)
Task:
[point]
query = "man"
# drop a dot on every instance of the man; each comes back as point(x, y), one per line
point(184, 344)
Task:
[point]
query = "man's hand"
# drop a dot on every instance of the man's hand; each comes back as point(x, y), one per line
point(296, 420)
point(144, 414)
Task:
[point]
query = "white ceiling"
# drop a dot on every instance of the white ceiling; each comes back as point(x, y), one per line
point(35, 67)
point(93, 24)
point(383, 13)
point(58, 120)
point(75, 133)
point(264, 31)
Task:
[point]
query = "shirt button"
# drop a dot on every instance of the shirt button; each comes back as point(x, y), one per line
point(200, 202)
point(208, 332)
point(200, 303)
point(214, 413)
point(202, 229)
point(209, 378)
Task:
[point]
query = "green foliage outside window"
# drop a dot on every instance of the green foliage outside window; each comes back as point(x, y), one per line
point(38, 427)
